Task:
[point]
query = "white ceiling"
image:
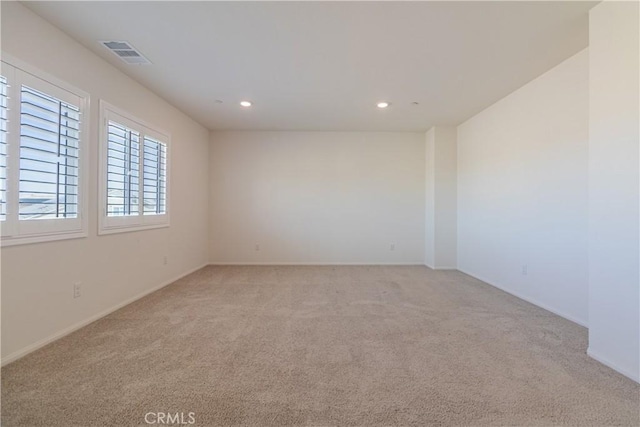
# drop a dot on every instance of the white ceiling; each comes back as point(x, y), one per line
point(324, 65)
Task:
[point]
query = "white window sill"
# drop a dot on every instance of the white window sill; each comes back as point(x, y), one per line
point(40, 238)
point(130, 228)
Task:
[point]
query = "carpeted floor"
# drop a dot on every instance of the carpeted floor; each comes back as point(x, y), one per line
point(339, 346)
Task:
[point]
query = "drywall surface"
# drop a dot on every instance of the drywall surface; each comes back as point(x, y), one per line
point(430, 199)
point(37, 279)
point(317, 197)
point(441, 200)
point(614, 127)
point(522, 191)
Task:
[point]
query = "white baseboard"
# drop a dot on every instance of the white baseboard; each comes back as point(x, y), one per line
point(439, 268)
point(529, 300)
point(318, 263)
point(612, 365)
point(35, 346)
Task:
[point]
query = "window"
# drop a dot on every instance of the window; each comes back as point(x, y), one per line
point(134, 158)
point(49, 145)
point(123, 170)
point(3, 148)
point(155, 173)
point(41, 157)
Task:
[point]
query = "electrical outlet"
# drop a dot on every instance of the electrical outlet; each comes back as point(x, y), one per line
point(165, 260)
point(392, 247)
point(525, 270)
point(77, 290)
point(257, 247)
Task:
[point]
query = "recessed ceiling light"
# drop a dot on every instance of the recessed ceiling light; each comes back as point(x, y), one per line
point(245, 103)
point(383, 104)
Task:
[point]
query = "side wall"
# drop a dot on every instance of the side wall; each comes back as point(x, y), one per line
point(522, 191)
point(446, 177)
point(37, 279)
point(614, 190)
point(317, 197)
point(441, 200)
point(430, 198)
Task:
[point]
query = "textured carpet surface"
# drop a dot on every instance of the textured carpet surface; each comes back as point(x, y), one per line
point(322, 346)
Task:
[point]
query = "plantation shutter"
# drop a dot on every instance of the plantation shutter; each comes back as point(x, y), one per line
point(3, 148)
point(134, 174)
point(155, 176)
point(123, 170)
point(49, 155)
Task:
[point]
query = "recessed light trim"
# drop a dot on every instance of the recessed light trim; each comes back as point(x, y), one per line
point(382, 104)
point(246, 104)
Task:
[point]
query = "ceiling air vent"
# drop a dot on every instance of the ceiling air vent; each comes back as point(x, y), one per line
point(126, 52)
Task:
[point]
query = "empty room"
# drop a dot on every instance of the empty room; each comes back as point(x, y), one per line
point(320, 213)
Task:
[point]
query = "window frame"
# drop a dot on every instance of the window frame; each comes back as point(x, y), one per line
point(13, 230)
point(124, 224)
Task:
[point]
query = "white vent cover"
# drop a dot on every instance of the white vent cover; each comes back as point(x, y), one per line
point(126, 52)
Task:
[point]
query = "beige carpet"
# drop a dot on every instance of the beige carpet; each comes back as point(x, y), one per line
point(343, 346)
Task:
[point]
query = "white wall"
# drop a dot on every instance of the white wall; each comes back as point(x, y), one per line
point(317, 197)
point(522, 191)
point(430, 199)
point(37, 302)
point(441, 199)
point(614, 190)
